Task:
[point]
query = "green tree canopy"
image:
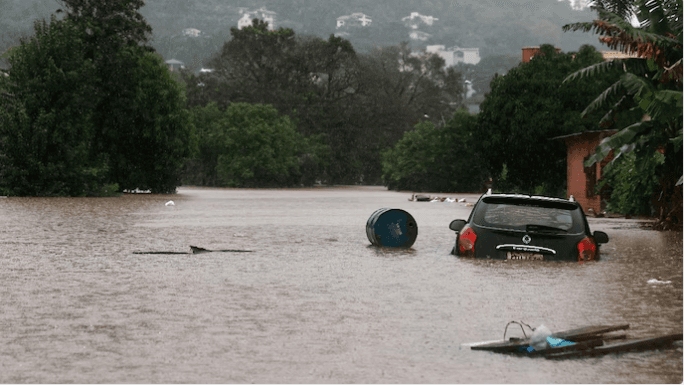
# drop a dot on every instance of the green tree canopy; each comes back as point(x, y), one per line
point(250, 145)
point(88, 107)
point(148, 134)
point(525, 109)
point(358, 105)
point(394, 90)
point(46, 130)
point(258, 65)
point(434, 158)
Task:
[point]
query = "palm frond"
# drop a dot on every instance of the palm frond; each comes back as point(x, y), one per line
point(596, 69)
point(666, 105)
point(660, 16)
point(677, 140)
point(623, 8)
point(607, 96)
point(620, 142)
point(673, 72)
point(635, 65)
point(658, 104)
point(608, 118)
point(618, 33)
point(581, 26)
point(636, 85)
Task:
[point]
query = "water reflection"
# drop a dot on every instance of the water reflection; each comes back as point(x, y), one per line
point(312, 302)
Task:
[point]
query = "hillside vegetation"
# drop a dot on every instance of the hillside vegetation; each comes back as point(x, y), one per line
point(495, 27)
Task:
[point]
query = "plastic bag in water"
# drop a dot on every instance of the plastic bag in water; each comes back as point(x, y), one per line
point(538, 340)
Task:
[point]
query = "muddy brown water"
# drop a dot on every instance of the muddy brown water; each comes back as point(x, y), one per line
point(313, 302)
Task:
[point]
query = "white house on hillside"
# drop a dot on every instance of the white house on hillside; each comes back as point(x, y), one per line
point(174, 64)
point(455, 55)
point(354, 20)
point(261, 13)
point(416, 19)
point(419, 35)
point(191, 32)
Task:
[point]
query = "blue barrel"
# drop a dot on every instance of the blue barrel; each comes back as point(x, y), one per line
point(391, 228)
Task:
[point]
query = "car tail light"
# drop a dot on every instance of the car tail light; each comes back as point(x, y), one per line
point(587, 250)
point(466, 243)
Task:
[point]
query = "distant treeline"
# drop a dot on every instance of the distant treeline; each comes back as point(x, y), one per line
point(89, 108)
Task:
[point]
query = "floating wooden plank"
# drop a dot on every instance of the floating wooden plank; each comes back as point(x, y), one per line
point(632, 345)
point(198, 250)
point(589, 332)
point(575, 335)
point(193, 250)
point(161, 252)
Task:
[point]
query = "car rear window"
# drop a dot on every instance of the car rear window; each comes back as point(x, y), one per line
point(517, 214)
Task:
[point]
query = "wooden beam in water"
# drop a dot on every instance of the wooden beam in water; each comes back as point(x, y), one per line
point(627, 346)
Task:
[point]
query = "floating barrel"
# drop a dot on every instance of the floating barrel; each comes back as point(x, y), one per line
point(391, 228)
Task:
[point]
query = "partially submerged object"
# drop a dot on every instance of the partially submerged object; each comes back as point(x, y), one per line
point(651, 343)
point(193, 250)
point(391, 228)
point(514, 344)
point(428, 198)
point(420, 198)
point(580, 342)
point(198, 250)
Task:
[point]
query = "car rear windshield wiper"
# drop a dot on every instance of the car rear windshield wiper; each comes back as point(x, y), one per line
point(542, 228)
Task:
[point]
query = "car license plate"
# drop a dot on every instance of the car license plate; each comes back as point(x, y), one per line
point(521, 255)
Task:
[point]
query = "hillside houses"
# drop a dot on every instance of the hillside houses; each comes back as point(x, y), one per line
point(353, 20)
point(455, 55)
point(416, 20)
point(419, 35)
point(261, 13)
point(193, 32)
point(174, 65)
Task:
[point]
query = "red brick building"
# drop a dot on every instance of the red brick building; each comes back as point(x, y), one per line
point(583, 180)
point(529, 52)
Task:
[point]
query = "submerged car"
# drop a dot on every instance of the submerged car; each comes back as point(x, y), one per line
point(516, 226)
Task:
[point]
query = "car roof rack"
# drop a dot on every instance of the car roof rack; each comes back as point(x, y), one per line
point(539, 197)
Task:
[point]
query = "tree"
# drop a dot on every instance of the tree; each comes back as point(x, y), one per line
point(398, 82)
point(436, 158)
point(631, 184)
point(108, 25)
point(201, 168)
point(482, 73)
point(525, 109)
point(138, 112)
point(309, 79)
point(648, 91)
point(46, 129)
point(258, 66)
point(251, 145)
point(358, 106)
point(396, 89)
point(110, 114)
point(148, 134)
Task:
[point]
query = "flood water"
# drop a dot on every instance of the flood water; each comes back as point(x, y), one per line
point(313, 302)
